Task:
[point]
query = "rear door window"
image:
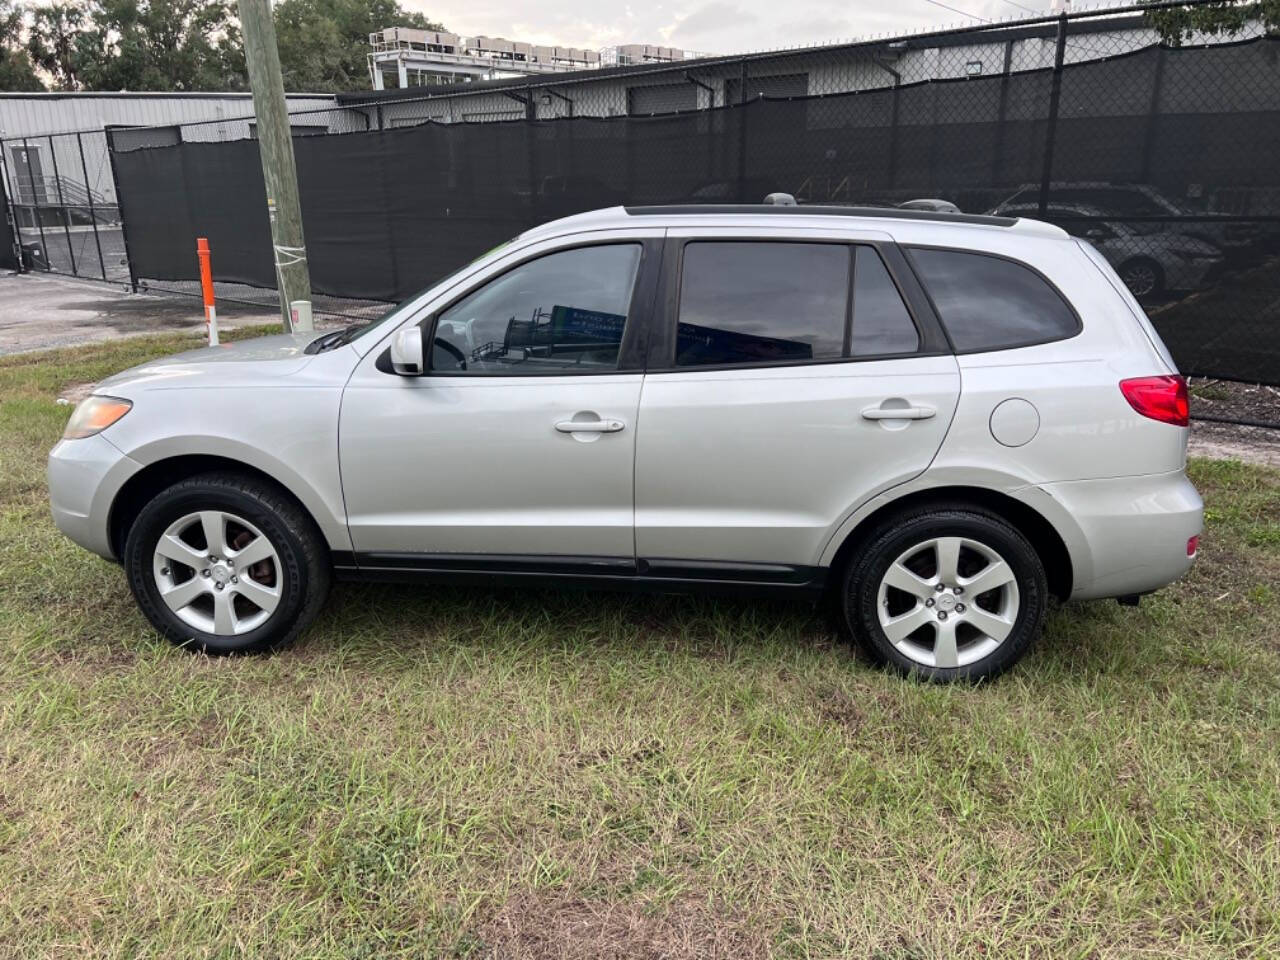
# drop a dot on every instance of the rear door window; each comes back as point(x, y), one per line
point(762, 302)
point(881, 322)
point(990, 303)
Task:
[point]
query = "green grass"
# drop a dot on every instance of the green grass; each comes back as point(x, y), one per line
point(447, 772)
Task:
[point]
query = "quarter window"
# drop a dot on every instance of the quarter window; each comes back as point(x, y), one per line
point(989, 303)
point(562, 313)
point(761, 302)
point(881, 321)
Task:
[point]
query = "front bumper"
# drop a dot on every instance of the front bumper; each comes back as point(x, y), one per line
point(1132, 531)
point(84, 477)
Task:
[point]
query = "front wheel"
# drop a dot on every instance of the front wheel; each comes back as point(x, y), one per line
point(223, 563)
point(946, 594)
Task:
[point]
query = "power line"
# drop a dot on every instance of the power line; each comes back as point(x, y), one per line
point(1021, 7)
point(963, 13)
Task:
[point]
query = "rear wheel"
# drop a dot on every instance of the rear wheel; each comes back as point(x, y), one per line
point(1143, 277)
point(222, 563)
point(946, 594)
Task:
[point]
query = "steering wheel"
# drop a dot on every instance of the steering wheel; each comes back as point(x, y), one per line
point(459, 359)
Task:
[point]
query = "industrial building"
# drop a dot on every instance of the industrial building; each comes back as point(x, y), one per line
point(418, 58)
point(639, 81)
point(424, 58)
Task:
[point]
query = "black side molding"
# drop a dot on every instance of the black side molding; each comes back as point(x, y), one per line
point(672, 575)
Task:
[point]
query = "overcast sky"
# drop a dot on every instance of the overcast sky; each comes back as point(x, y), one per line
point(711, 26)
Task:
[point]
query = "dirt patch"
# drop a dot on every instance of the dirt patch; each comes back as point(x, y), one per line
point(73, 393)
point(1234, 401)
point(540, 927)
point(1224, 441)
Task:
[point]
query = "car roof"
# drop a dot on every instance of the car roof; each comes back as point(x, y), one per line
point(768, 215)
point(1083, 209)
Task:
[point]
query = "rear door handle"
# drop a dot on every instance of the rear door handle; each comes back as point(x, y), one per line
point(590, 426)
point(898, 413)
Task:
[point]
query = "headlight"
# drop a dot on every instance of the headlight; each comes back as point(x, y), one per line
point(93, 415)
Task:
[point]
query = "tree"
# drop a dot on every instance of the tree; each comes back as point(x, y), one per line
point(17, 73)
point(189, 44)
point(324, 43)
point(139, 45)
point(1178, 24)
point(54, 42)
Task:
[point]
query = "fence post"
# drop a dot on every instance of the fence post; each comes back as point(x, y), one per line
point(1153, 114)
point(893, 131)
point(1051, 133)
point(93, 211)
point(10, 210)
point(997, 160)
point(35, 203)
point(388, 218)
point(742, 133)
point(115, 185)
point(66, 217)
point(531, 134)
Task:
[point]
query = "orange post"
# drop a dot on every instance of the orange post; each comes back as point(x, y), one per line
point(206, 288)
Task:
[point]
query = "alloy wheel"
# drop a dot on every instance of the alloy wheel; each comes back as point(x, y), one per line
point(948, 602)
point(1140, 278)
point(217, 572)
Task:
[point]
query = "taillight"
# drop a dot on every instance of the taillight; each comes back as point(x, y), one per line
point(1193, 545)
point(1160, 398)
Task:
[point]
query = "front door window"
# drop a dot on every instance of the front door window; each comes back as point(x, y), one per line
point(559, 314)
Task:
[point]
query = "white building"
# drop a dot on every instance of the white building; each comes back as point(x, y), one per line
point(640, 80)
point(425, 58)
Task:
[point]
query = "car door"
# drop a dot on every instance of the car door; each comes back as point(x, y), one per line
point(797, 376)
point(516, 448)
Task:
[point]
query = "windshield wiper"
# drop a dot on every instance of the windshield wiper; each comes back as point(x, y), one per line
point(337, 338)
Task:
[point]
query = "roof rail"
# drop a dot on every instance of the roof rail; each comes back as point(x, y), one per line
point(892, 213)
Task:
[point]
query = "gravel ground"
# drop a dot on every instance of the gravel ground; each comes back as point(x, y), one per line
point(1227, 398)
point(39, 311)
point(1227, 441)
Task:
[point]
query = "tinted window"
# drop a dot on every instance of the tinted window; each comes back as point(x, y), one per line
point(987, 303)
point(881, 322)
point(762, 302)
point(561, 313)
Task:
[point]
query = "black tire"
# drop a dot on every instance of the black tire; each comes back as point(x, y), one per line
point(1148, 270)
point(303, 560)
point(860, 593)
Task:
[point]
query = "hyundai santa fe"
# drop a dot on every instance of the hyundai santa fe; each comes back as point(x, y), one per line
point(936, 421)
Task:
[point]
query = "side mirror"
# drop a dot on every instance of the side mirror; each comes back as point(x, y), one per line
point(406, 352)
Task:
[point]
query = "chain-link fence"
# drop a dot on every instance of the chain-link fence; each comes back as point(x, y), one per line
point(1163, 157)
point(63, 204)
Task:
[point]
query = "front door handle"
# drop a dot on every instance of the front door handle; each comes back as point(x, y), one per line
point(898, 413)
point(590, 426)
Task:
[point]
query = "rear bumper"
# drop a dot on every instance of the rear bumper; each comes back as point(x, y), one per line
point(1132, 532)
point(84, 477)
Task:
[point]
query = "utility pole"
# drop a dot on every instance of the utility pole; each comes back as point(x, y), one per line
point(275, 145)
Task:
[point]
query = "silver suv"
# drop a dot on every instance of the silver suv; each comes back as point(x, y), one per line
point(937, 421)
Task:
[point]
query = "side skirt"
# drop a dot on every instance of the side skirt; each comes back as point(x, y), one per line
point(600, 573)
